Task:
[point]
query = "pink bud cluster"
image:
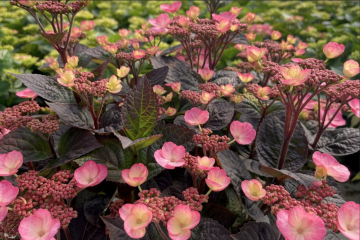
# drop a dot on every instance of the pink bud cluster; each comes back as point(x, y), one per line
point(48, 124)
point(115, 207)
point(162, 207)
point(211, 88)
point(193, 97)
point(85, 86)
point(310, 199)
point(348, 88)
point(211, 143)
point(191, 164)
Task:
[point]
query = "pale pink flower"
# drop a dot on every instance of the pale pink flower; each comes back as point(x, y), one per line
point(297, 224)
point(351, 68)
point(124, 33)
point(135, 45)
point(243, 133)
point(297, 60)
point(250, 36)
point(160, 23)
point(227, 90)
point(302, 45)
point(253, 189)
point(291, 39)
point(310, 104)
point(294, 76)
point(90, 174)
point(223, 26)
point(333, 50)
point(217, 180)
point(205, 163)
point(39, 226)
point(122, 72)
point(10, 163)
point(240, 46)
point(183, 21)
point(8, 192)
point(263, 92)
point(235, 10)
point(159, 90)
point(75, 33)
point(170, 111)
point(136, 218)
point(196, 116)
point(182, 222)
point(245, 77)
point(28, 3)
point(111, 48)
point(170, 155)
point(206, 74)
point(255, 54)
point(250, 17)
point(73, 61)
point(87, 25)
point(206, 97)
point(299, 52)
point(3, 212)
point(275, 35)
point(3, 131)
point(286, 45)
point(328, 165)
point(168, 97)
point(102, 40)
point(337, 121)
point(193, 12)
point(348, 220)
point(138, 54)
point(355, 106)
point(171, 8)
point(26, 93)
point(152, 50)
point(224, 16)
point(66, 78)
point(136, 175)
point(176, 87)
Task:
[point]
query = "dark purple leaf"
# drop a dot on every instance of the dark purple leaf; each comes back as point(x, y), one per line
point(157, 76)
point(220, 115)
point(255, 231)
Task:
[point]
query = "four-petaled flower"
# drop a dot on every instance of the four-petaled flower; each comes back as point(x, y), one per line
point(136, 218)
point(253, 189)
point(90, 174)
point(294, 76)
point(170, 155)
point(328, 165)
point(182, 222)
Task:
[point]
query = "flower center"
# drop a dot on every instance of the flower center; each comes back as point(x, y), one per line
point(41, 233)
point(182, 225)
point(138, 221)
point(90, 180)
point(300, 231)
point(350, 227)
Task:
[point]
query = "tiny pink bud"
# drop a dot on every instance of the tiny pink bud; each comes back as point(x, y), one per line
point(253, 189)
point(90, 174)
point(348, 220)
point(217, 180)
point(317, 183)
point(331, 166)
point(196, 116)
point(182, 222)
point(136, 175)
point(170, 155)
point(10, 163)
point(250, 17)
point(245, 77)
point(87, 25)
point(26, 93)
point(206, 74)
point(171, 8)
point(205, 163)
point(227, 90)
point(275, 35)
point(333, 50)
point(40, 225)
point(351, 68)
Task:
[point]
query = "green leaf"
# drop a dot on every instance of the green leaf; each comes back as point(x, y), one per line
point(4, 87)
point(73, 114)
point(30, 144)
point(113, 156)
point(46, 87)
point(140, 110)
point(73, 144)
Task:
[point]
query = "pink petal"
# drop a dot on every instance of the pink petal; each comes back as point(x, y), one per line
point(8, 192)
point(3, 212)
point(125, 210)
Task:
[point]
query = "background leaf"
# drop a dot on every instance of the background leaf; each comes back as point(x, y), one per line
point(220, 115)
point(209, 229)
point(255, 231)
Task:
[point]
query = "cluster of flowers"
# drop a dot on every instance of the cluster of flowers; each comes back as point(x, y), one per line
point(162, 100)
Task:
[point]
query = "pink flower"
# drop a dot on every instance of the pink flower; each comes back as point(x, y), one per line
point(294, 76)
point(217, 180)
point(299, 52)
point(193, 12)
point(168, 97)
point(75, 33)
point(122, 72)
point(302, 45)
point(250, 36)
point(328, 165)
point(253, 189)
point(206, 74)
point(275, 35)
point(310, 104)
point(351, 68)
point(102, 40)
point(3, 131)
point(170, 155)
point(196, 116)
point(136, 218)
point(263, 92)
point(27, 93)
point(8, 193)
point(159, 90)
point(227, 90)
point(10, 163)
point(205, 163)
point(224, 16)
point(66, 78)
point(90, 174)
point(297, 224)
point(152, 50)
point(240, 46)
point(183, 21)
point(223, 26)
point(348, 220)
point(355, 106)
point(245, 77)
point(170, 111)
point(176, 87)
point(182, 221)
point(337, 121)
point(160, 23)
point(124, 33)
point(87, 25)
point(255, 54)
point(138, 54)
point(171, 8)
point(235, 11)
point(206, 97)
point(136, 175)
point(243, 133)
point(111, 48)
point(39, 226)
point(333, 50)
point(73, 61)
point(250, 17)
point(3, 212)
point(290, 39)
point(28, 3)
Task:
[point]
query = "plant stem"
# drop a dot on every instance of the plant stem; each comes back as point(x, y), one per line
point(161, 231)
point(67, 233)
